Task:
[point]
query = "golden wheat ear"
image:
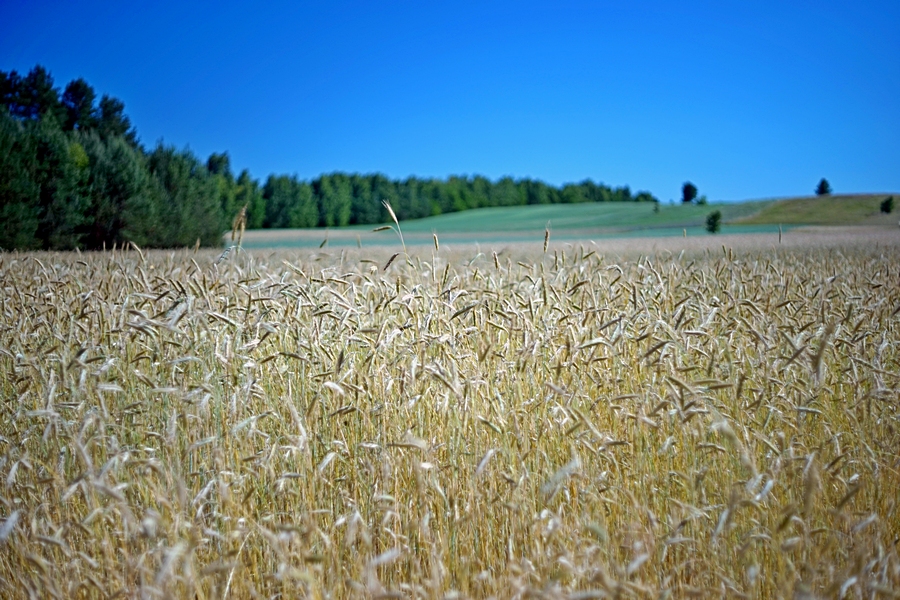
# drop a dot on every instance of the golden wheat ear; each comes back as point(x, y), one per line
point(390, 210)
point(239, 225)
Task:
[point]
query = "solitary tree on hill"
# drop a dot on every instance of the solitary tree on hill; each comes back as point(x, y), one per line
point(688, 192)
point(887, 205)
point(824, 188)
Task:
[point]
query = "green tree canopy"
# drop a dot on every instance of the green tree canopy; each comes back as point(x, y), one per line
point(37, 98)
point(19, 192)
point(190, 208)
point(113, 122)
point(714, 221)
point(123, 202)
point(247, 193)
point(334, 193)
point(78, 102)
point(688, 192)
point(219, 164)
point(73, 175)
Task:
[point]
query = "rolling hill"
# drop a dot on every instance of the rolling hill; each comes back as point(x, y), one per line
point(596, 221)
point(846, 209)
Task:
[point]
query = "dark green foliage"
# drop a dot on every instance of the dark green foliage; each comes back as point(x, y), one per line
point(334, 195)
point(887, 205)
point(78, 102)
point(19, 192)
point(247, 193)
point(48, 174)
point(536, 192)
point(824, 188)
point(506, 193)
point(480, 190)
point(714, 221)
point(339, 199)
point(225, 187)
point(112, 121)
point(364, 206)
point(73, 175)
point(688, 192)
point(219, 164)
point(9, 85)
point(189, 204)
point(573, 194)
point(123, 202)
point(277, 193)
point(415, 198)
point(31, 97)
point(289, 203)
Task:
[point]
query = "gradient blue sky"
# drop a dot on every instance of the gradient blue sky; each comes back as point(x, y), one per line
point(746, 100)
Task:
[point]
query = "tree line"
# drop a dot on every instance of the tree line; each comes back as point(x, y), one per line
point(73, 174)
point(340, 199)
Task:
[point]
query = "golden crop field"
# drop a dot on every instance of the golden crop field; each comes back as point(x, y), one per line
point(538, 423)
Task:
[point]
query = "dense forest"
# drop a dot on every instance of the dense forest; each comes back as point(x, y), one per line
point(73, 174)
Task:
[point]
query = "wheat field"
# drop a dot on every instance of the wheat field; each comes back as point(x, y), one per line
point(544, 422)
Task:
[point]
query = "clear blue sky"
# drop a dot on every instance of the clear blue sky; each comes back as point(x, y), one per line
point(746, 100)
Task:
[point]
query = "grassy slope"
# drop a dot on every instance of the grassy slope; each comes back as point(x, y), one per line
point(863, 209)
point(604, 220)
point(526, 223)
point(612, 216)
point(860, 209)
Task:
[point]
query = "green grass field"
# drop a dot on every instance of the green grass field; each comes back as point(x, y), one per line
point(562, 217)
point(593, 221)
point(861, 209)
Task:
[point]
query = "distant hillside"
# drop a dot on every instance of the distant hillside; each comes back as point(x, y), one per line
point(846, 209)
point(594, 220)
point(586, 220)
